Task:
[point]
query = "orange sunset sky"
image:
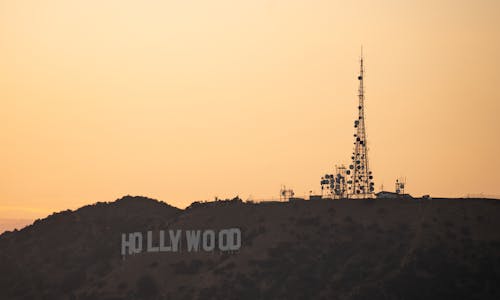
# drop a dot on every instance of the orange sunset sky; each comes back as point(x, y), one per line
point(185, 100)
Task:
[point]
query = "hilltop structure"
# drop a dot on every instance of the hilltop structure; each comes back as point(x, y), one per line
point(361, 184)
point(355, 182)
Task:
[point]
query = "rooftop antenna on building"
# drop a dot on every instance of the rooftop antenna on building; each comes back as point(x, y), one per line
point(286, 194)
point(400, 185)
point(333, 186)
point(361, 184)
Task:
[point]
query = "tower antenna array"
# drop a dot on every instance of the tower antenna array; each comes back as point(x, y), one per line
point(361, 184)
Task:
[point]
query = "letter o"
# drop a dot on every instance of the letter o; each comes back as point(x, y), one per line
point(136, 238)
point(206, 245)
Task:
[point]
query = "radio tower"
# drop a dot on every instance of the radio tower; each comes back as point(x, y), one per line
point(361, 184)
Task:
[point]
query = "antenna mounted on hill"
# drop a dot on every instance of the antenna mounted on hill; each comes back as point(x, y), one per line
point(361, 184)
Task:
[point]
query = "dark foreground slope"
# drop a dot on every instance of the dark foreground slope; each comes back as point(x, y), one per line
point(363, 249)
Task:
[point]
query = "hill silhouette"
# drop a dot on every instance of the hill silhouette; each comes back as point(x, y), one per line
point(341, 249)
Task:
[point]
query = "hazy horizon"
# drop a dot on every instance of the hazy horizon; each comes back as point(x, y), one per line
point(184, 101)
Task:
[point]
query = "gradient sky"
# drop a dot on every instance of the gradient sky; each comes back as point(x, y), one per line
point(185, 100)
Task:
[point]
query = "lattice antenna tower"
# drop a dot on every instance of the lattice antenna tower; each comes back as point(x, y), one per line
point(361, 184)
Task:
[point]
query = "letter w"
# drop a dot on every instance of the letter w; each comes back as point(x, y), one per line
point(193, 240)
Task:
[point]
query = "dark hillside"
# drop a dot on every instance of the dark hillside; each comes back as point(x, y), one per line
point(56, 255)
point(342, 249)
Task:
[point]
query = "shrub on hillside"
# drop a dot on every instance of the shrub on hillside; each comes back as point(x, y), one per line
point(146, 287)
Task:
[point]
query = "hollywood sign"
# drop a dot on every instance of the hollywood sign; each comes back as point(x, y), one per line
point(179, 240)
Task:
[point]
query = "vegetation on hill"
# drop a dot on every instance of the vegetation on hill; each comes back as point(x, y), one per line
point(342, 249)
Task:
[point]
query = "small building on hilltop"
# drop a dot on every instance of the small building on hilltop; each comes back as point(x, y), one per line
point(315, 197)
point(392, 195)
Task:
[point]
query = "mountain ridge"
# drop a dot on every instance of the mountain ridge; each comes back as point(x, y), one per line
point(339, 249)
